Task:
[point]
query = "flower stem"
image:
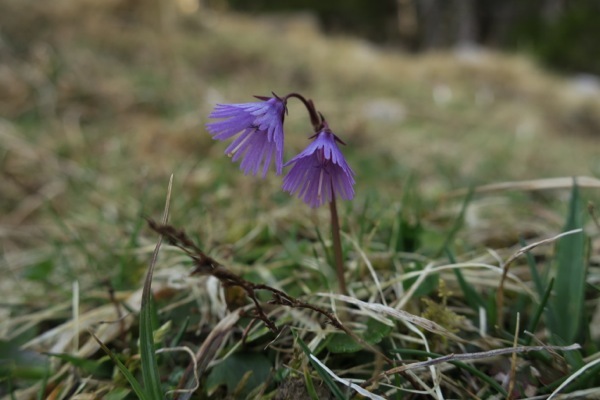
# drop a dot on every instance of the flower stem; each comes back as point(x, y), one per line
point(337, 245)
point(315, 118)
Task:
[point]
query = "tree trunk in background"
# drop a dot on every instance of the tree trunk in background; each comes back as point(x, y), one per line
point(448, 23)
point(431, 24)
point(552, 10)
point(408, 23)
point(467, 34)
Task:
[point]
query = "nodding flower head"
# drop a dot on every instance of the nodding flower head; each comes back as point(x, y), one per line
point(320, 171)
point(260, 129)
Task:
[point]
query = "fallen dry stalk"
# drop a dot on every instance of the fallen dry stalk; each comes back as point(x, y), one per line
point(205, 265)
point(532, 185)
point(473, 356)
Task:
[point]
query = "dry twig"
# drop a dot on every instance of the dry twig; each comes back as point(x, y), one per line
point(473, 356)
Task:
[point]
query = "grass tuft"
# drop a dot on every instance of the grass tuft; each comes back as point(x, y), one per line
point(566, 316)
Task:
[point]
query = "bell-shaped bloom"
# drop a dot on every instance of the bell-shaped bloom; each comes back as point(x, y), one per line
point(320, 172)
point(260, 129)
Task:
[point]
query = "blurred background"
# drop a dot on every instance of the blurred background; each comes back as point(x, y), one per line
point(560, 33)
point(102, 100)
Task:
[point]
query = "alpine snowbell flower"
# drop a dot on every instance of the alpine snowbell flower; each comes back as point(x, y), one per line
point(260, 129)
point(320, 172)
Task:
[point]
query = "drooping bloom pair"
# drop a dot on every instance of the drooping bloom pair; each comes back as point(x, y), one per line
point(318, 173)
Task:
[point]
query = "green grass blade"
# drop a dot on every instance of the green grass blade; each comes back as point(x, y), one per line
point(407, 231)
point(179, 336)
point(538, 313)
point(135, 385)
point(43, 387)
point(328, 254)
point(472, 298)
point(147, 351)
point(310, 386)
point(362, 219)
point(535, 275)
point(127, 258)
point(333, 387)
point(148, 359)
point(571, 269)
point(457, 223)
point(84, 364)
point(11, 390)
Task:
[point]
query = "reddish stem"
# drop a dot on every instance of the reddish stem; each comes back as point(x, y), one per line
point(315, 117)
point(337, 245)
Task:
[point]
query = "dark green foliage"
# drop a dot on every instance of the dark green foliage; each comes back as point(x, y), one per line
point(458, 222)
point(373, 20)
point(133, 382)
point(540, 310)
point(40, 271)
point(16, 363)
point(567, 41)
point(230, 372)
point(147, 348)
point(408, 230)
point(374, 333)
point(97, 368)
point(473, 299)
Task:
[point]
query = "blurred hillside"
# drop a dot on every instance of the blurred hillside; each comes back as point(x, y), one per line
point(113, 94)
point(561, 34)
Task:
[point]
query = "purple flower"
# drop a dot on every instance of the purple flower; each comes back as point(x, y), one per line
point(261, 127)
point(320, 172)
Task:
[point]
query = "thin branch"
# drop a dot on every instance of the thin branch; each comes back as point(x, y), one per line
point(205, 265)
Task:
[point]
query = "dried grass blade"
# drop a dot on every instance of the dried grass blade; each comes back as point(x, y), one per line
point(399, 315)
point(478, 356)
point(575, 375)
point(346, 382)
point(335, 390)
point(532, 185)
point(207, 352)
